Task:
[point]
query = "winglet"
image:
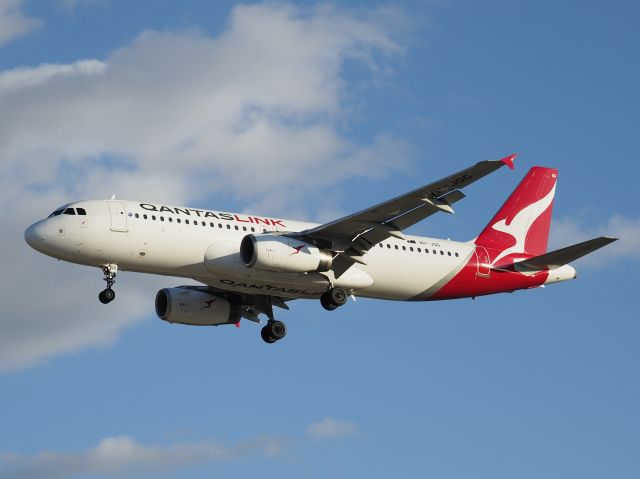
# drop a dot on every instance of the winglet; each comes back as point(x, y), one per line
point(509, 160)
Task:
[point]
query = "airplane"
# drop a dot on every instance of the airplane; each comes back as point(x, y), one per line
point(247, 264)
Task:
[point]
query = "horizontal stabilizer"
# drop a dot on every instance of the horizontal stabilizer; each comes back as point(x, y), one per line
point(563, 256)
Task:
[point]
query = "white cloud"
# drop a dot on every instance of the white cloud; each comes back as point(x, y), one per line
point(14, 22)
point(25, 78)
point(253, 113)
point(567, 231)
point(124, 457)
point(330, 428)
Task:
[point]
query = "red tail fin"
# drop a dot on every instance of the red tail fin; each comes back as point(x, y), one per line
point(521, 226)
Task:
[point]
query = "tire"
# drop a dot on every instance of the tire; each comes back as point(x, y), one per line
point(102, 298)
point(278, 330)
point(266, 335)
point(106, 296)
point(326, 303)
point(338, 296)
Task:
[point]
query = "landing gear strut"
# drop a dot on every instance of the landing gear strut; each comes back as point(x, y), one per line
point(333, 298)
point(108, 295)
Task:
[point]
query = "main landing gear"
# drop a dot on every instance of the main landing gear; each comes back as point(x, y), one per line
point(108, 295)
point(274, 331)
point(333, 298)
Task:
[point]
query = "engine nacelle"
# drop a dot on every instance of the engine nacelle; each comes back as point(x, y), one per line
point(280, 253)
point(194, 307)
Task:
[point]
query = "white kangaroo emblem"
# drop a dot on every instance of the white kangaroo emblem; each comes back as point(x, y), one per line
point(521, 223)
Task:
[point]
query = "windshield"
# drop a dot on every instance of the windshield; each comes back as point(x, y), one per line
point(68, 211)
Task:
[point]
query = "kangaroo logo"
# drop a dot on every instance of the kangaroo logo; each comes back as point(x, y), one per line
point(297, 249)
point(520, 224)
point(208, 303)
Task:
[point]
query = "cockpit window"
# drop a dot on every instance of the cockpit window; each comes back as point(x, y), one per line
point(81, 211)
point(56, 212)
point(69, 211)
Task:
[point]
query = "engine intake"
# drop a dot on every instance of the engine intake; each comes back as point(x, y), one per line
point(198, 308)
point(283, 254)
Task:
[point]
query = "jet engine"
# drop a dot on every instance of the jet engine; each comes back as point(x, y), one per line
point(195, 307)
point(280, 253)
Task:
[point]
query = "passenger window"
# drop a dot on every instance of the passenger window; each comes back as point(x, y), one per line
point(449, 253)
point(162, 218)
point(178, 220)
point(441, 253)
point(69, 211)
point(396, 246)
point(253, 230)
point(144, 216)
point(236, 227)
point(244, 228)
point(410, 248)
point(137, 214)
point(228, 227)
point(170, 219)
point(456, 255)
point(389, 246)
point(404, 248)
point(435, 252)
point(186, 222)
point(419, 250)
point(153, 217)
point(81, 211)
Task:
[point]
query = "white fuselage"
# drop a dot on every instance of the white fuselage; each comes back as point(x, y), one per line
point(203, 245)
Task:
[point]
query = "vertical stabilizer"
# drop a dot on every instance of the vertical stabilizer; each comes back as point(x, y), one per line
point(520, 228)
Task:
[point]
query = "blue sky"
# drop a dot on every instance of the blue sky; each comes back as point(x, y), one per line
point(314, 111)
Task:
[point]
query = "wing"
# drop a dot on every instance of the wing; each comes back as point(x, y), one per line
point(354, 235)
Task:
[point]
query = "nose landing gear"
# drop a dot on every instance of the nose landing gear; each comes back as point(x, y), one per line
point(107, 295)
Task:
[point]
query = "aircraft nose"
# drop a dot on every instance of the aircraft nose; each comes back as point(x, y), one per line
point(35, 235)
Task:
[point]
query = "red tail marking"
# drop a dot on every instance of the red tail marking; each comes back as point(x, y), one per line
point(521, 225)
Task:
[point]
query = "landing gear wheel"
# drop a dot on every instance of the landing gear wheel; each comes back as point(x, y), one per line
point(273, 331)
point(266, 335)
point(333, 298)
point(278, 330)
point(107, 295)
point(338, 296)
point(326, 303)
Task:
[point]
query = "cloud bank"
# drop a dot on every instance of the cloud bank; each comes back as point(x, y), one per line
point(123, 456)
point(254, 114)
